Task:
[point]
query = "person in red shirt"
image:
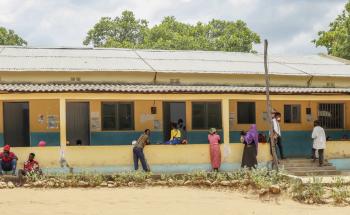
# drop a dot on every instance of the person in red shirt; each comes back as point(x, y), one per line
point(8, 160)
point(31, 165)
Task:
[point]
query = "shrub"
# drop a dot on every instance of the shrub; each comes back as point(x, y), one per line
point(340, 192)
point(311, 192)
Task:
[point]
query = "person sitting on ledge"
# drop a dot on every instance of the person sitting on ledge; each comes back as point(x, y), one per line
point(30, 166)
point(175, 135)
point(8, 161)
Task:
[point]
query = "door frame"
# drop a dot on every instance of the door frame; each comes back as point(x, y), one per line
point(3, 117)
point(89, 129)
point(164, 117)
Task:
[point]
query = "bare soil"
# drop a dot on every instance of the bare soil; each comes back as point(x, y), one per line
point(151, 200)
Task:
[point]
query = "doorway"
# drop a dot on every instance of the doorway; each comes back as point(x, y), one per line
point(16, 124)
point(78, 126)
point(172, 112)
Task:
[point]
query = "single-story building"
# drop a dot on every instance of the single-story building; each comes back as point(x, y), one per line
point(94, 102)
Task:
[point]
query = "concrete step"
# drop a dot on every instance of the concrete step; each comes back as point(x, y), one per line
point(310, 164)
point(312, 168)
point(315, 173)
point(297, 161)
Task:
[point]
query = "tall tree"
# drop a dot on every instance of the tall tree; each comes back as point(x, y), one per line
point(171, 34)
point(9, 37)
point(125, 32)
point(337, 38)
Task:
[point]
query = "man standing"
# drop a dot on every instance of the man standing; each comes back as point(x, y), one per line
point(138, 150)
point(8, 161)
point(319, 137)
point(277, 132)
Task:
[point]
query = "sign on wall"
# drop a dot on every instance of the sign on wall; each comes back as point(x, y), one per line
point(156, 124)
point(41, 119)
point(52, 122)
point(146, 117)
point(95, 121)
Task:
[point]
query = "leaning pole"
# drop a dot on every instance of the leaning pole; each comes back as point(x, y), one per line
point(269, 110)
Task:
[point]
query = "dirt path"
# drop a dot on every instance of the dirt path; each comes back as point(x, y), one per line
point(153, 201)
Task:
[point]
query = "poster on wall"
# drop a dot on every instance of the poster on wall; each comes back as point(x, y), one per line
point(41, 119)
point(146, 117)
point(95, 121)
point(231, 119)
point(52, 121)
point(156, 124)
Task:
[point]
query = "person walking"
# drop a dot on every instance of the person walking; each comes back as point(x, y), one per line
point(319, 142)
point(138, 151)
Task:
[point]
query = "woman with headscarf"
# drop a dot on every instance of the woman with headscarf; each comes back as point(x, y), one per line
point(215, 153)
point(250, 141)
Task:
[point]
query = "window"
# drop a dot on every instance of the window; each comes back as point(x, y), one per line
point(117, 116)
point(206, 115)
point(292, 113)
point(246, 112)
point(331, 115)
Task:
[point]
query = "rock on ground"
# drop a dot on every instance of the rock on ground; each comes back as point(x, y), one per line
point(275, 189)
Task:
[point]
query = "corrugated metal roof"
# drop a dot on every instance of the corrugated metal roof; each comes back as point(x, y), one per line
point(97, 59)
point(144, 88)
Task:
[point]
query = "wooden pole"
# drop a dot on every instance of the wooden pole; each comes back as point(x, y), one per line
point(269, 110)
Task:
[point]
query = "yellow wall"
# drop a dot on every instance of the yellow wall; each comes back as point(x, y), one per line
point(45, 108)
point(1, 117)
point(260, 107)
point(95, 156)
point(142, 113)
point(337, 149)
point(37, 108)
point(42, 77)
point(184, 78)
point(143, 117)
point(142, 109)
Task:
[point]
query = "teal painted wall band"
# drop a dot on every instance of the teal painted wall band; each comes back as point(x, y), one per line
point(296, 143)
point(2, 141)
point(51, 138)
point(200, 137)
point(122, 138)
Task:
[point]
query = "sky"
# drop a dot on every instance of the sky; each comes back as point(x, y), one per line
point(289, 25)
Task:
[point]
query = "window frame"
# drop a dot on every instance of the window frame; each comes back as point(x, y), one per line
point(291, 113)
point(116, 116)
point(246, 123)
point(206, 115)
point(343, 118)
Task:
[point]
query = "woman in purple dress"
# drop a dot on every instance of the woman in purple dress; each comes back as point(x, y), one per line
point(250, 141)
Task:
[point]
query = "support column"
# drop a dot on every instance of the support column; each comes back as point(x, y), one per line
point(226, 120)
point(63, 130)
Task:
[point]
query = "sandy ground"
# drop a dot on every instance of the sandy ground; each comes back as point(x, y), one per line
point(156, 200)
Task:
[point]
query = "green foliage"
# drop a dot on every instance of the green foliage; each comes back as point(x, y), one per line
point(125, 31)
point(264, 178)
point(33, 176)
point(128, 32)
point(9, 37)
point(337, 38)
point(311, 192)
point(340, 192)
point(137, 177)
